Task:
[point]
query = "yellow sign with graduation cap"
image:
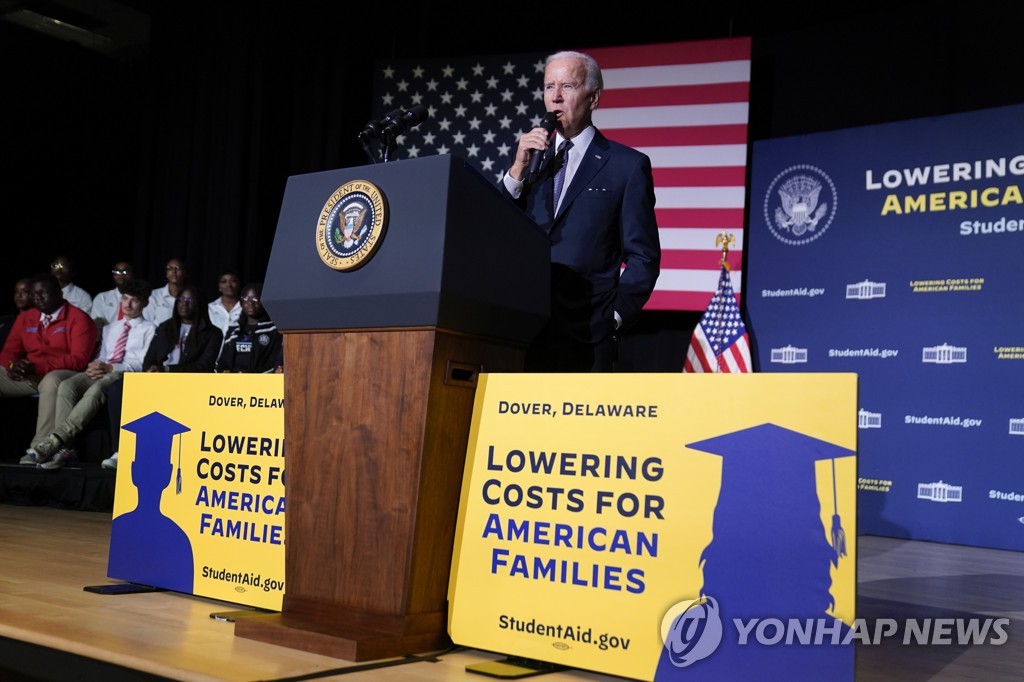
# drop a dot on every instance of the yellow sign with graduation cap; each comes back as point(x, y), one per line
point(199, 500)
point(661, 526)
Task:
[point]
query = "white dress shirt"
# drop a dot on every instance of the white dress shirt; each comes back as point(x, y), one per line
point(222, 317)
point(161, 305)
point(106, 306)
point(78, 297)
point(139, 337)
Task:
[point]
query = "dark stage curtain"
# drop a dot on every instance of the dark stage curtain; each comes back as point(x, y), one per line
point(238, 102)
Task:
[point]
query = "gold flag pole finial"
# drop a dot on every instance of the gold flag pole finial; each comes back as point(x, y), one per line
point(725, 241)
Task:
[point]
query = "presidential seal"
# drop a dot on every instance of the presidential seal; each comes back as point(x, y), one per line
point(351, 226)
point(800, 204)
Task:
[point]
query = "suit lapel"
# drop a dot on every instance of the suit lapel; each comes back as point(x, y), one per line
point(595, 159)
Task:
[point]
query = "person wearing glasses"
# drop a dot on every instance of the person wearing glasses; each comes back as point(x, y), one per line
point(187, 342)
point(161, 303)
point(253, 345)
point(64, 270)
point(106, 306)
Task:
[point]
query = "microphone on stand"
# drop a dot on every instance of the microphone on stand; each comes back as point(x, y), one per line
point(374, 129)
point(396, 124)
point(536, 156)
point(391, 126)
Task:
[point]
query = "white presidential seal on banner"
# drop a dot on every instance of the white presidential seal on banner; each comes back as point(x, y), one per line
point(800, 204)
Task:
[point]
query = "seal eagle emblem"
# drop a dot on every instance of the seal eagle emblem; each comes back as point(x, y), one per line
point(804, 201)
point(351, 225)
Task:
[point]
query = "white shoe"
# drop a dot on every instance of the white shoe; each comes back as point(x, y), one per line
point(110, 462)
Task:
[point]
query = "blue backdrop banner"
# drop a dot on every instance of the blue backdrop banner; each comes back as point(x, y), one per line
point(894, 251)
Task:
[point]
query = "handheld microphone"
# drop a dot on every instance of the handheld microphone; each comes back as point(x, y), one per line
point(397, 123)
point(536, 156)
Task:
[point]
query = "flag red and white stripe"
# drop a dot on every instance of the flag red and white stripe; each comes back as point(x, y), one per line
point(684, 104)
point(720, 342)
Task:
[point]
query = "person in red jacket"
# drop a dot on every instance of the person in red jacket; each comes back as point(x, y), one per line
point(53, 341)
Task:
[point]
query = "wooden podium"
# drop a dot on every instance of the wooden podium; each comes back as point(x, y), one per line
point(381, 365)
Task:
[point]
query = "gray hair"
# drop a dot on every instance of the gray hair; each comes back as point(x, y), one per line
point(592, 80)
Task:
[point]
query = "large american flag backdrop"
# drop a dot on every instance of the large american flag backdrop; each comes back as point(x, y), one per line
point(683, 104)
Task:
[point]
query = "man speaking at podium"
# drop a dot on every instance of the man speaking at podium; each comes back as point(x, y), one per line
point(594, 198)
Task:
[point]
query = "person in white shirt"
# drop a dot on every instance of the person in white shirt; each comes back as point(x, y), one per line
point(161, 303)
point(225, 310)
point(64, 270)
point(81, 396)
point(106, 306)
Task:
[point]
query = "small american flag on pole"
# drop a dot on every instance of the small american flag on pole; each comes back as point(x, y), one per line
point(720, 342)
point(685, 105)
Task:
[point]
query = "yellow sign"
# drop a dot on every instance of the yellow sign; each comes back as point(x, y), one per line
point(596, 509)
point(199, 500)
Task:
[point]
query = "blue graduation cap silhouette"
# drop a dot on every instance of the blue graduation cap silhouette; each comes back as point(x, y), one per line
point(146, 546)
point(770, 559)
point(154, 434)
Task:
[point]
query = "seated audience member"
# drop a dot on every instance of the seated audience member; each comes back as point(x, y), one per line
point(253, 345)
point(225, 309)
point(64, 270)
point(161, 303)
point(48, 343)
point(188, 342)
point(106, 306)
point(80, 396)
point(22, 302)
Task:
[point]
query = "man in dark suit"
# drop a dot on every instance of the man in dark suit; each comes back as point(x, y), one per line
point(605, 251)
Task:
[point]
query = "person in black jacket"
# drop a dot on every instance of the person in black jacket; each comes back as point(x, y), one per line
point(188, 341)
point(253, 345)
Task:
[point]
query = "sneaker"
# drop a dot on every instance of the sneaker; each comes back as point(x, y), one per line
point(65, 457)
point(29, 457)
point(48, 447)
point(110, 462)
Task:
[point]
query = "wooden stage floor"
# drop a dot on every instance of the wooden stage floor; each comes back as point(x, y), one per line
point(51, 629)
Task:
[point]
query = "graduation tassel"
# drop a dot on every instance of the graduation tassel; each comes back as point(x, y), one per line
point(838, 534)
point(177, 481)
